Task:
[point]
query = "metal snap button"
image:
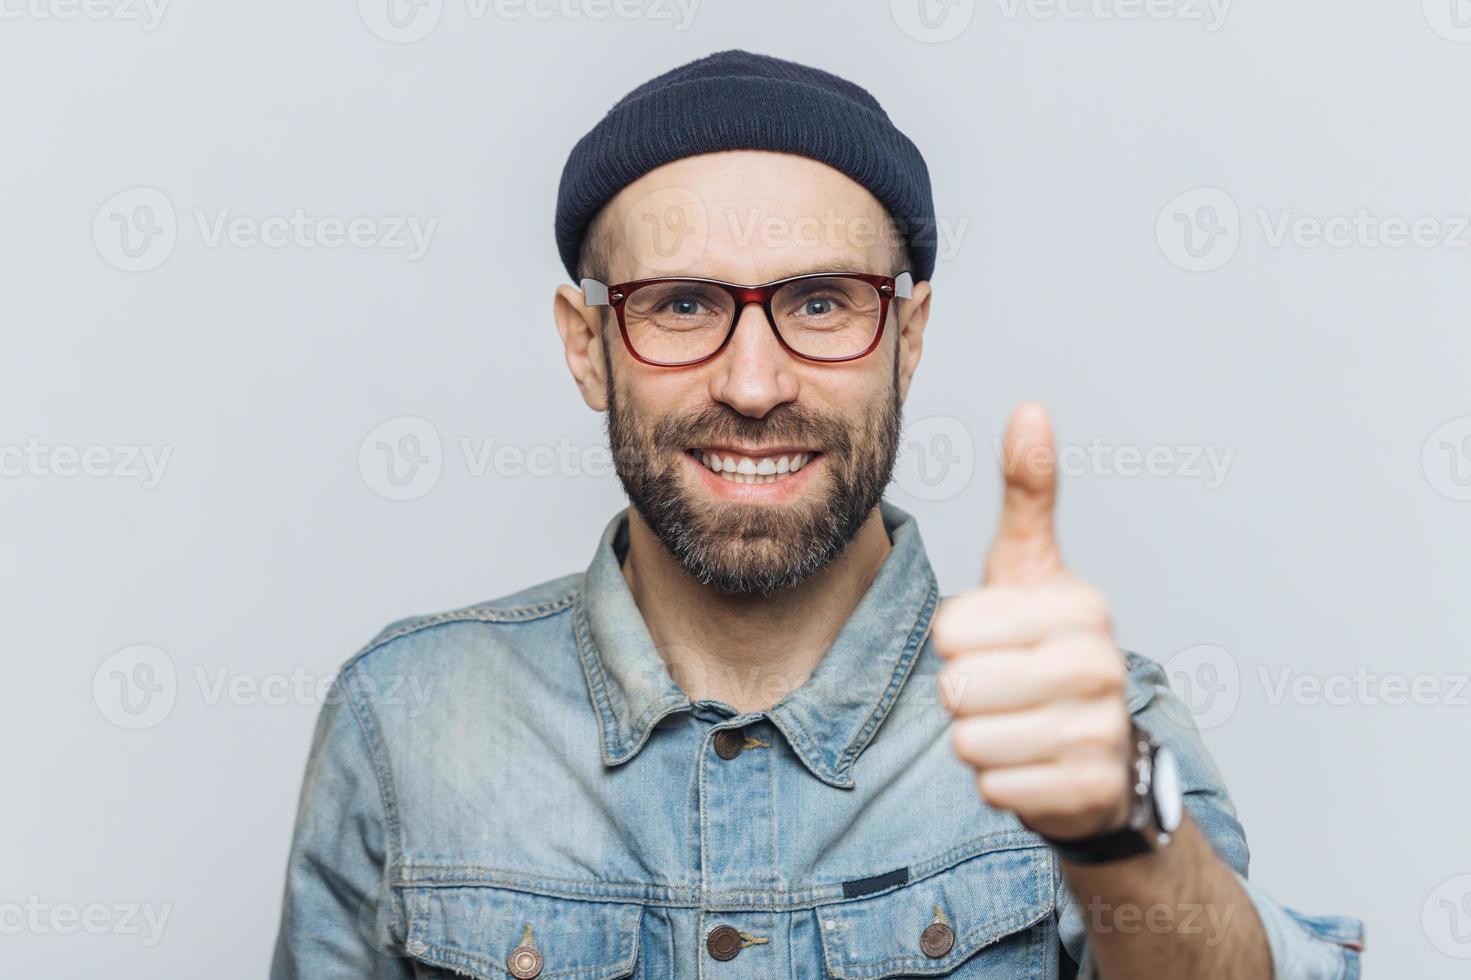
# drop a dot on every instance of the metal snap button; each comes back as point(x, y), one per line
point(936, 940)
point(524, 962)
point(724, 942)
point(729, 743)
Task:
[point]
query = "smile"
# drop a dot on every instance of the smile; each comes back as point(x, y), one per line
point(737, 467)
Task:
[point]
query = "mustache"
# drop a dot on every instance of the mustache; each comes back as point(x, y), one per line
point(789, 423)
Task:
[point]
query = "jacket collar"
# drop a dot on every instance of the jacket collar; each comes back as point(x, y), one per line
point(827, 721)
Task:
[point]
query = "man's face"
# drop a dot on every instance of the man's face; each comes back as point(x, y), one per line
point(756, 468)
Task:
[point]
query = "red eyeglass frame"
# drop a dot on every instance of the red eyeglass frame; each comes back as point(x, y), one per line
point(899, 286)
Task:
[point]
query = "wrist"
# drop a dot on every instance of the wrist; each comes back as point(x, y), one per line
point(1150, 817)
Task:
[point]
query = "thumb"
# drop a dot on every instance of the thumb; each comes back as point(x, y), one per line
point(1025, 551)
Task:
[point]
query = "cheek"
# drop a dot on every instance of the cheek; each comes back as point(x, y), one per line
point(852, 394)
point(647, 395)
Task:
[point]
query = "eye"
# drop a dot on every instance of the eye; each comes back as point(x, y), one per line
point(819, 305)
point(685, 306)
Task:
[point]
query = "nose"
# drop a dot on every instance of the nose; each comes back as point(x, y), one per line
point(754, 373)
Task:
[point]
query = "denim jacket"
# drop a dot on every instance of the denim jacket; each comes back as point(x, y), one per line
point(520, 789)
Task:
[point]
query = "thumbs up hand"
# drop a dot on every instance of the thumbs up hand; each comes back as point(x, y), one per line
point(1033, 679)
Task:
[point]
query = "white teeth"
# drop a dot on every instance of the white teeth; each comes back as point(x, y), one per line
point(746, 469)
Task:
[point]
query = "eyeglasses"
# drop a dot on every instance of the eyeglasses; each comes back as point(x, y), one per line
point(823, 316)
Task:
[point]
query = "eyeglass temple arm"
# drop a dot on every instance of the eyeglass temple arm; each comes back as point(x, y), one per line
point(594, 293)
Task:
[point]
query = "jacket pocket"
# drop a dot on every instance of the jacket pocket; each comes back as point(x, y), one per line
point(935, 923)
point(475, 931)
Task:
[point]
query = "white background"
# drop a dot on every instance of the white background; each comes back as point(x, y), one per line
point(1336, 541)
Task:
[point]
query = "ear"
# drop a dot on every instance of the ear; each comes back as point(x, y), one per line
point(914, 313)
point(582, 340)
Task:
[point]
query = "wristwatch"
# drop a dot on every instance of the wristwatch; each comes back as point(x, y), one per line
point(1156, 807)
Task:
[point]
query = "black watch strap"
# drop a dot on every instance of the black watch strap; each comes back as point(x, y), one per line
point(1112, 846)
point(1135, 836)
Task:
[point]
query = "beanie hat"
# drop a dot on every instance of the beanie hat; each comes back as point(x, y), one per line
point(736, 100)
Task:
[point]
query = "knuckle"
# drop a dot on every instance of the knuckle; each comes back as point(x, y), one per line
point(991, 789)
point(973, 740)
point(1099, 614)
point(962, 740)
point(951, 682)
point(1115, 730)
point(1101, 787)
point(1113, 678)
point(946, 627)
point(1092, 607)
point(1100, 670)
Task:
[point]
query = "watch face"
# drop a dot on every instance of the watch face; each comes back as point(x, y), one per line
point(1169, 800)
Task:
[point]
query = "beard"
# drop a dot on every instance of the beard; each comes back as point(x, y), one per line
point(753, 549)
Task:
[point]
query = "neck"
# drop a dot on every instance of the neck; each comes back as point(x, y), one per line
point(749, 651)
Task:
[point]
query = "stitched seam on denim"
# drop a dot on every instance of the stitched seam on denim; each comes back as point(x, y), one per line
point(643, 727)
point(682, 896)
point(1007, 840)
point(468, 958)
point(367, 726)
point(773, 787)
point(455, 959)
point(621, 745)
point(980, 936)
point(896, 683)
point(702, 797)
point(1039, 951)
point(836, 772)
point(968, 945)
point(833, 965)
point(696, 896)
point(472, 614)
point(592, 671)
point(800, 740)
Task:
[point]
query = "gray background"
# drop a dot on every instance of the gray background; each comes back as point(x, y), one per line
point(1335, 376)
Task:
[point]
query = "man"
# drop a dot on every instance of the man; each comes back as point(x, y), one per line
point(749, 741)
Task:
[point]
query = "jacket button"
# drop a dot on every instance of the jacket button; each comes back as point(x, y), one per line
point(723, 942)
point(729, 743)
point(524, 962)
point(936, 940)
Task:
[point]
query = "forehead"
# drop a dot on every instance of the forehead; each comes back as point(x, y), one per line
point(745, 216)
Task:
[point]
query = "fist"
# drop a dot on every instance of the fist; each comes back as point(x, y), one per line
point(1033, 679)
